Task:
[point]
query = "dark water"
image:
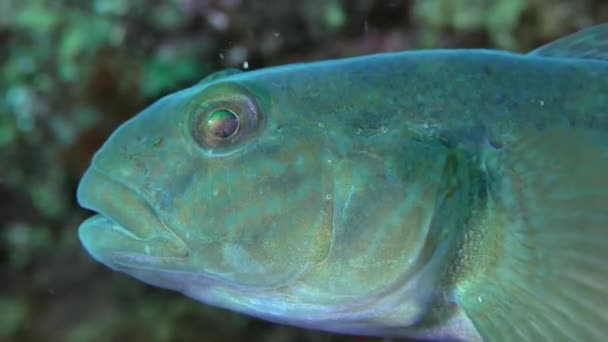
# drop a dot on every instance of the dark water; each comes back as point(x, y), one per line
point(71, 71)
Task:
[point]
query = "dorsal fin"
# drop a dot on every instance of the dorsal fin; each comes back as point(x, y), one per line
point(214, 76)
point(591, 43)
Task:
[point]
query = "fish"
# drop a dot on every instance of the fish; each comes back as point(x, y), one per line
point(448, 194)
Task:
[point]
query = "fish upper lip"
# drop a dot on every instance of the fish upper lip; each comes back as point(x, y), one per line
point(107, 206)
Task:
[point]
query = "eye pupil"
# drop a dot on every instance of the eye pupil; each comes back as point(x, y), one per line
point(222, 123)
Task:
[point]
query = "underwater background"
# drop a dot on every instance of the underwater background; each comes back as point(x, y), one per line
point(72, 70)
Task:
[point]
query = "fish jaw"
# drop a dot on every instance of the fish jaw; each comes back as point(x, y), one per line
point(121, 238)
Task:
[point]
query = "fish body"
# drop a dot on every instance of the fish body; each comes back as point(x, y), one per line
point(440, 194)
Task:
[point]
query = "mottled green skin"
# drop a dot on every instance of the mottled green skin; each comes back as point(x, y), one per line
point(345, 207)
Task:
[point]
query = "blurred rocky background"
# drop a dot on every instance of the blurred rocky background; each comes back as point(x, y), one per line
point(72, 70)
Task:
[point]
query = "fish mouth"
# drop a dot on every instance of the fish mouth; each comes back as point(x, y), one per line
point(126, 232)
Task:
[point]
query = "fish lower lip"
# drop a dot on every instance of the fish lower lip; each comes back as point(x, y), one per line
point(115, 255)
point(104, 222)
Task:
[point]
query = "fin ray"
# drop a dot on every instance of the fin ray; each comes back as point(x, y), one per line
point(591, 43)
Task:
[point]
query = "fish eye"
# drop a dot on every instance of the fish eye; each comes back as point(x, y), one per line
point(222, 123)
point(223, 116)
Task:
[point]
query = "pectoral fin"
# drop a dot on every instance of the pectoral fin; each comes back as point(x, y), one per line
point(544, 271)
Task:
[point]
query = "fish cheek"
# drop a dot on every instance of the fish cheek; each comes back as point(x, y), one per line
point(256, 218)
point(291, 219)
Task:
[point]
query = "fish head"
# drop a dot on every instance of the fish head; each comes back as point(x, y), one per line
point(269, 193)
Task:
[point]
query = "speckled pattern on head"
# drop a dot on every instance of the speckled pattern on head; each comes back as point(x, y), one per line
point(441, 194)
